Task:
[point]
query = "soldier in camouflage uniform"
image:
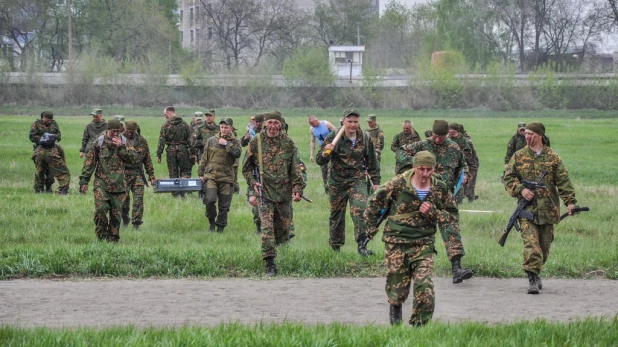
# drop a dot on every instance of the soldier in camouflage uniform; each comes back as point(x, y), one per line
point(517, 142)
point(529, 163)
point(376, 134)
point(107, 160)
point(134, 175)
point(202, 133)
point(175, 134)
point(407, 136)
point(215, 171)
point(350, 161)
point(450, 162)
point(415, 202)
point(474, 168)
point(272, 153)
point(258, 122)
point(464, 144)
point(93, 131)
point(49, 160)
point(197, 121)
point(45, 124)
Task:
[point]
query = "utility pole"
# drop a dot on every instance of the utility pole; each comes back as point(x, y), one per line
point(70, 32)
point(358, 35)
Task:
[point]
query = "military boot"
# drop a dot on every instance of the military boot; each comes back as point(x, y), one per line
point(125, 221)
point(395, 314)
point(336, 248)
point(220, 228)
point(212, 225)
point(48, 188)
point(533, 286)
point(258, 228)
point(271, 267)
point(64, 191)
point(538, 281)
point(136, 226)
point(459, 274)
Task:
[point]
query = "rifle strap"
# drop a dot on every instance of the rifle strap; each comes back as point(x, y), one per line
point(260, 163)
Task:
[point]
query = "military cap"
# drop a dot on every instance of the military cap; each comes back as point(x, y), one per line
point(440, 127)
point(521, 126)
point(273, 115)
point(371, 118)
point(119, 117)
point(351, 112)
point(461, 128)
point(96, 112)
point(47, 114)
point(114, 124)
point(227, 121)
point(209, 113)
point(424, 158)
point(259, 118)
point(130, 125)
point(197, 114)
point(537, 127)
point(453, 126)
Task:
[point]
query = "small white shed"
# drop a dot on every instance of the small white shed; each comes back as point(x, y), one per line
point(346, 61)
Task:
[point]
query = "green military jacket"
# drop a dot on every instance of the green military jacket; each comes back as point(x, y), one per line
point(282, 175)
point(449, 157)
point(475, 156)
point(91, 134)
point(466, 147)
point(38, 128)
point(348, 163)
point(516, 143)
point(175, 134)
point(402, 139)
point(108, 162)
point(201, 134)
point(405, 223)
point(217, 161)
point(526, 165)
point(142, 158)
point(377, 138)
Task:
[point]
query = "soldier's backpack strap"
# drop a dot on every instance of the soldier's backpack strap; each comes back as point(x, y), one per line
point(260, 163)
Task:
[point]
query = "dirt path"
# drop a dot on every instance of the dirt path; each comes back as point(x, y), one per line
point(101, 303)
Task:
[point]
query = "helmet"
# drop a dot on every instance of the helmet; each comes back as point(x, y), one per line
point(47, 140)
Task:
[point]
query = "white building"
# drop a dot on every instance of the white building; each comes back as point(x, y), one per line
point(346, 61)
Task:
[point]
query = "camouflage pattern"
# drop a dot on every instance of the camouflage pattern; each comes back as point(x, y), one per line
point(200, 135)
point(216, 166)
point(91, 133)
point(348, 166)
point(449, 156)
point(135, 182)
point(545, 207)
point(108, 162)
point(37, 129)
point(281, 177)
point(470, 186)
point(377, 138)
point(175, 134)
point(466, 146)
point(50, 163)
point(516, 143)
point(403, 139)
point(244, 142)
point(409, 236)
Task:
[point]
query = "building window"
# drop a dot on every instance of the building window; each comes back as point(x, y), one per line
point(191, 34)
point(349, 56)
point(197, 36)
point(197, 14)
point(181, 12)
point(191, 16)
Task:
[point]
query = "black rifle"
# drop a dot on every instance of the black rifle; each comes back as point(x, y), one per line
point(520, 210)
point(383, 215)
point(576, 210)
point(256, 175)
point(306, 198)
point(141, 171)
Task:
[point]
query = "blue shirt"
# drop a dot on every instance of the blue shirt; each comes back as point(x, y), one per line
point(320, 132)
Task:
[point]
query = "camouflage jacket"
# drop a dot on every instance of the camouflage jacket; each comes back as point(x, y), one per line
point(475, 157)
point(526, 165)
point(466, 147)
point(449, 157)
point(107, 162)
point(282, 175)
point(244, 141)
point(142, 150)
point(377, 138)
point(217, 161)
point(348, 164)
point(200, 135)
point(38, 128)
point(402, 139)
point(175, 134)
point(405, 222)
point(91, 133)
point(516, 143)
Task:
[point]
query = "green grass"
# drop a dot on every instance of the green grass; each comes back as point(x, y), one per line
point(53, 236)
point(588, 332)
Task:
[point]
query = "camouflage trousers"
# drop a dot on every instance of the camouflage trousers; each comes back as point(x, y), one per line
point(276, 219)
point(324, 169)
point(235, 168)
point(220, 192)
point(469, 187)
point(537, 241)
point(452, 242)
point(407, 263)
point(107, 203)
point(178, 163)
point(338, 195)
point(50, 163)
point(135, 185)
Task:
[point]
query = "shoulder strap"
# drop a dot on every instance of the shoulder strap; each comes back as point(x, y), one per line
point(260, 164)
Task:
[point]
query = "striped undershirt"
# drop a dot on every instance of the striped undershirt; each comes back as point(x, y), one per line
point(422, 193)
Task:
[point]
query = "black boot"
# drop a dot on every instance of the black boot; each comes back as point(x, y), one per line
point(533, 286)
point(538, 281)
point(459, 274)
point(271, 267)
point(362, 247)
point(336, 248)
point(395, 315)
point(64, 191)
point(258, 228)
point(48, 189)
point(212, 226)
point(220, 228)
point(125, 221)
